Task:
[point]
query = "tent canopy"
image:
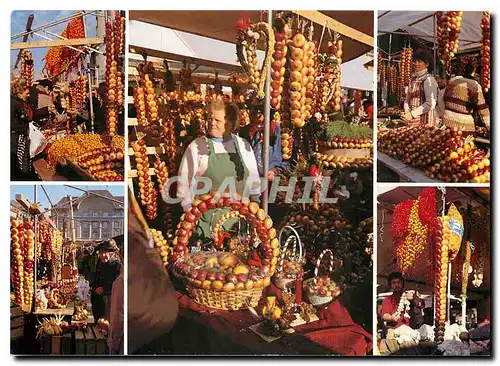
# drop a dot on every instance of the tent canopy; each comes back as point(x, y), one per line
point(388, 197)
point(221, 25)
point(411, 22)
point(355, 75)
point(218, 56)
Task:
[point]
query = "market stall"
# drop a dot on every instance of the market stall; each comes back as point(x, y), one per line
point(279, 279)
point(439, 240)
point(77, 125)
point(51, 308)
point(456, 41)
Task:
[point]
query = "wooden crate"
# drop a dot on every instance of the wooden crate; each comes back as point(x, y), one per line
point(16, 322)
point(90, 341)
point(56, 345)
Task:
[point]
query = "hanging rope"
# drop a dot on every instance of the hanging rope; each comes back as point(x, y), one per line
point(443, 192)
point(321, 38)
point(382, 226)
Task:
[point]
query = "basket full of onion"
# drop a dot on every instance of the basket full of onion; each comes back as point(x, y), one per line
point(321, 290)
point(289, 268)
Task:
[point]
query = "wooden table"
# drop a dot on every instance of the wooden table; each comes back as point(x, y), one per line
point(203, 331)
point(406, 173)
point(46, 172)
point(67, 311)
point(90, 320)
point(81, 172)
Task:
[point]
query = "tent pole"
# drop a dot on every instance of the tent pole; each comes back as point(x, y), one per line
point(91, 103)
point(449, 294)
point(35, 241)
point(434, 41)
point(383, 14)
point(389, 64)
point(434, 307)
point(422, 36)
point(464, 311)
point(421, 19)
point(54, 23)
point(267, 124)
point(390, 47)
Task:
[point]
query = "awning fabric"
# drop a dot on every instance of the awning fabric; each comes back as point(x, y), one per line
point(395, 20)
point(354, 74)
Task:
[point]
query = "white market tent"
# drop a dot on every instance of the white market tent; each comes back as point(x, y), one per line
point(355, 75)
point(422, 24)
point(388, 197)
point(219, 55)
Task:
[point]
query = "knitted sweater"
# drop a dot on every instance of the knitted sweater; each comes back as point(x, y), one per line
point(463, 99)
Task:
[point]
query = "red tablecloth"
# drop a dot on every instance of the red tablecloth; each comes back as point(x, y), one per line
point(333, 333)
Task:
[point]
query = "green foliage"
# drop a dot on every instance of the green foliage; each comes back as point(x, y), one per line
point(345, 130)
point(328, 61)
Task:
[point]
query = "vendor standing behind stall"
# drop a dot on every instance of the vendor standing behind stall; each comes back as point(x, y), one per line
point(107, 270)
point(219, 155)
point(421, 97)
point(389, 312)
point(21, 115)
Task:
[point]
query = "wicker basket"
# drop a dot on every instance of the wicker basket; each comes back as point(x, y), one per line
point(279, 280)
point(318, 300)
point(226, 298)
point(233, 300)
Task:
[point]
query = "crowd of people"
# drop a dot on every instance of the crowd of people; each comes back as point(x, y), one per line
point(456, 103)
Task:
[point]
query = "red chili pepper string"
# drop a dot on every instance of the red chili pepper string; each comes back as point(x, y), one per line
point(427, 207)
point(400, 219)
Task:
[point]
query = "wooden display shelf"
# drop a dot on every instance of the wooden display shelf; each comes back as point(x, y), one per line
point(151, 150)
point(56, 43)
point(16, 322)
point(132, 173)
point(406, 173)
point(67, 311)
point(348, 153)
point(78, 170)
point(46, 172)
point(90, 320)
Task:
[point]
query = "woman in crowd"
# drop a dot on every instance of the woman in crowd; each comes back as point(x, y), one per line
point(421, 98)
point(464, 102)
point(216, 156)
point(368, 108)
point(21, 115)
point(107, 270)
point(254, 134)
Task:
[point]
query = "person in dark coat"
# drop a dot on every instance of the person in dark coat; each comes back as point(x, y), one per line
point(107, 270)
point(21, 115)
point(152, 304)
point(40, 100)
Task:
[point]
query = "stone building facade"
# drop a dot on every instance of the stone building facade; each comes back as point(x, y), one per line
point(96, 218)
